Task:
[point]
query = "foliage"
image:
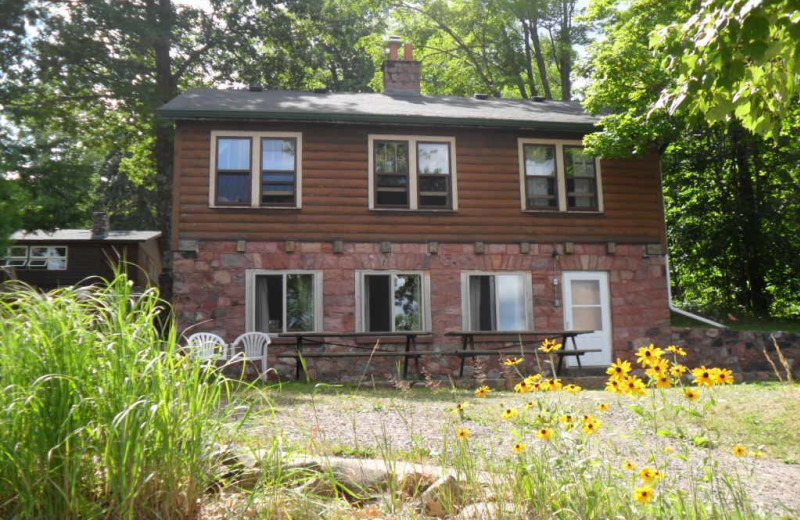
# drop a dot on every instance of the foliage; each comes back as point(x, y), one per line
point(101, 416)
point(737, 58)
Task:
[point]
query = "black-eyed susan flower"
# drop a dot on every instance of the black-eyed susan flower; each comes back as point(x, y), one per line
point(703, 376)
point(678, 351)
point(739, 450)
point(522, 387)
point(603, 407)
point(677, 370)
point(591, 425)
point(530, 404)
point(532, 379)
point(463, 434)
point(635, 386)
point(619, 369)
point(691, 394)
point(551, 385)
point(629, 466)
point(460, 408)
point(518, 447)
point(544, 434)
point(647, 356)
point(510, 362)
point(648, 475)
point(643, 494)
point(723, 376)
point(615, 386)
point(509, 413)
point(549, 345)
point(573, 388)
point(663, 382)
point(567, 420)
point(482, 391)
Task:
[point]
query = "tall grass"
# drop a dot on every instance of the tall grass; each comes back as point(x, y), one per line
point(100, 415)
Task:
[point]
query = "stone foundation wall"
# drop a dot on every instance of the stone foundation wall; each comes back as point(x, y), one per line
point(209, 289)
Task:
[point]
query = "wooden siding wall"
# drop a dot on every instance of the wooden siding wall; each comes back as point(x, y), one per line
point(83, 260)
point(335, 185)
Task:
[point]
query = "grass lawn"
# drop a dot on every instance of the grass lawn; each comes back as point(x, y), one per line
point(693, 447)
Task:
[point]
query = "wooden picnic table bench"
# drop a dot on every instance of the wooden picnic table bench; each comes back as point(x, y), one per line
point(503, 336)
point(317, 339)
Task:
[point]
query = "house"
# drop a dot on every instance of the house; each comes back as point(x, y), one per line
point(399, 211)
point(51, 259)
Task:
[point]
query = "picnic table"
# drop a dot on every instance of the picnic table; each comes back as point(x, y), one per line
point(304, 340)
point(503, 336)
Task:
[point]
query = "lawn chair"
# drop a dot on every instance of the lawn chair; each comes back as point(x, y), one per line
point(207, 346)
point(254, 346)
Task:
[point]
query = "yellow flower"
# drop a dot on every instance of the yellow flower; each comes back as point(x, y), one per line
point(482, 391)
point(615, 386)
point(510, 362)
point(703, 376)
point(648, 475)
point(551, 385)
point(572, 388)
point(549, 345)
point(691, 394)
point(530, 404)
point(603, 407)
point(647, 356)
point(629, 466)
point(643, 494)
point(739, 450)
point(532, 379)
point(663, 382)
point(676, 350)
point(668, 450)
point(635, 386)
point(510, 413)
point(567, 420)
point(460, 407)
point(544, 434)
point(678, 370)
point(591, 425)
point(522, 387)
point(518, 448)
point(723, 376)
point(463, 434)
point(620, 369)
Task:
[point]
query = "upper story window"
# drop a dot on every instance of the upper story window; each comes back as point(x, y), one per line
point(16, 256)
point(497, 301)
point(255, 169)
point(392, 301)
point(558, 175)
point(412, 172)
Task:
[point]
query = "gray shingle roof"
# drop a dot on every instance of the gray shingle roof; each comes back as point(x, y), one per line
point(373, 107)
point(72, 235)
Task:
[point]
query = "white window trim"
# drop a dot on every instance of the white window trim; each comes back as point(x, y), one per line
point(527, 287)
point(8, 259)
point(412, 170)
point(361, 318)
point(560, 173)
point(255, 168)
point(46, 266)
point(250, 296)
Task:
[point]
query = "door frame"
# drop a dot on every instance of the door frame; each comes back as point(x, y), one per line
point(605, 303)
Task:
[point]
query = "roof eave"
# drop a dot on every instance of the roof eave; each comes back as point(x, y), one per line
point(219, 115)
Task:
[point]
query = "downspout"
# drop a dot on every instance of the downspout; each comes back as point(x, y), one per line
point(671, 305)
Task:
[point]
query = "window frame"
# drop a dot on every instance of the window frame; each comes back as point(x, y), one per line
point(256, 139)
point(413, 173)
point(561, 175)
point(466, 313)
point(250, 296)
point(360, 285)
point(46, 266)
point(8, 258)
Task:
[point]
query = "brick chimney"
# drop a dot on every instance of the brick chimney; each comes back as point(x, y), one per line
point(401, 75)
point(100, 224)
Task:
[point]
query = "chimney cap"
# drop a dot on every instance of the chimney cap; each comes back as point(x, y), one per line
point(480, 95)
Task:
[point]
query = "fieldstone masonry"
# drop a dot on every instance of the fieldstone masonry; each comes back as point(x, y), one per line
point(209, 290)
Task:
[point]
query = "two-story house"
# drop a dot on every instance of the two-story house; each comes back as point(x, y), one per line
point(398, 211)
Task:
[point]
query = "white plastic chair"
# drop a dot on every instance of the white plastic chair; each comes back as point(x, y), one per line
point(207, 346)
point(254, 347)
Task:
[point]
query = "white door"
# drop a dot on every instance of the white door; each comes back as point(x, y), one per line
point(586, 307)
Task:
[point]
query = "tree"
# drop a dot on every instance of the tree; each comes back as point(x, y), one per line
point(735, 59)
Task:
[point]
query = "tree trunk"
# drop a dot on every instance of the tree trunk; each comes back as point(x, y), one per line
point(526, 34)
point(565, 54)
point(752, 237)
point(537, 48)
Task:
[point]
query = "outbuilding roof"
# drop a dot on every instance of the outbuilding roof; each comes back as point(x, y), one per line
point(76, 235)
point(376, 108)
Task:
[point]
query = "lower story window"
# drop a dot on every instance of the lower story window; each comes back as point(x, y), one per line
point(16, 256)
point(51, 258)
point(284, 301)
point(497, 301)
point(392, 301)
